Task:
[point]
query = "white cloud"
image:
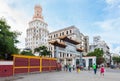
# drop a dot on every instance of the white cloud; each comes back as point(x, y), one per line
point(114, 50)
point(112, 7)
point(117, 50)
point(110, 30)
point(110, 25)
point(112, 2)
point(15, 18)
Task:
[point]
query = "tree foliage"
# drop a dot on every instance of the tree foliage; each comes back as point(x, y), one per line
point(27, 52)
point(116, 59)
point(8, 39)
point(43, 51)
point(99, 55)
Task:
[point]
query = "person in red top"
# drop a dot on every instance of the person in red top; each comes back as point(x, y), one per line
point(102, 70)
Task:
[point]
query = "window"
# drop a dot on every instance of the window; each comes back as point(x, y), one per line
point(60, 54)
point(37, 24)
point(56, 35)
point(62, 33)
point(66, 32)
point(70, 31)
point(67, 55)
point(63, 54)
point(51, 48)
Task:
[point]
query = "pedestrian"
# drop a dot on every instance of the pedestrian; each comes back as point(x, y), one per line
point(73, 67)
point(69, 67)
point(89, 68)
point(66, 67)
point(102, 70)
point(77, 68)
point(95, 68)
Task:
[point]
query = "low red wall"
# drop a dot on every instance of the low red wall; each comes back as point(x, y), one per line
point(6, 68)
point(27, 64)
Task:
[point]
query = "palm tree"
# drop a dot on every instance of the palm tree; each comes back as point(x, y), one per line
point(43, 51)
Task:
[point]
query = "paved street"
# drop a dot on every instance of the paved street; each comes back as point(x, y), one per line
point(66, 76)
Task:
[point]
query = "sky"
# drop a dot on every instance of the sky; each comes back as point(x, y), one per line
point(92, 17)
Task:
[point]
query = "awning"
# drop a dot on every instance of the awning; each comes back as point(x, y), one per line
point(59, 44)
point(65, 38)
point(79, 50)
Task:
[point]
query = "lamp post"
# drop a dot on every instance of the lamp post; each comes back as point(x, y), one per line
point(110, 58)
point(111, 62)
point(81, 61)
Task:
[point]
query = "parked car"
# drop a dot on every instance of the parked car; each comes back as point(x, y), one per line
point(112, 66)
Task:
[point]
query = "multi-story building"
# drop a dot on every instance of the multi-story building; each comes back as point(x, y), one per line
point(37, 33)
point(98, 43)
point(71, 51)
point(66, 44)
point(84, 43)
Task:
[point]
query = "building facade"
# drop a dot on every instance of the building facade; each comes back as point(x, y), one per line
point(98, 43)
point(89, 61)
point(37, 33)
point(66, 51)
point(70, 50)
point(84, 43)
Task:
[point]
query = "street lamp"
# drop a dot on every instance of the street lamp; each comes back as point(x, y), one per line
point(110, 58)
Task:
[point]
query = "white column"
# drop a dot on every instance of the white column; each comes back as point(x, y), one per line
point(87, 62)
point(65, 61)
point(94, 60)
point(56, 51)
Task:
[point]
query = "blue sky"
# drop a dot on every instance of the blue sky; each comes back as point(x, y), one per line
point(92, 17)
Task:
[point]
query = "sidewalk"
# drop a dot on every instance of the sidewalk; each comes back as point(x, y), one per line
point(66, 76)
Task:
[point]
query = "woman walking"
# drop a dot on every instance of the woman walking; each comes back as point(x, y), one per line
point(102, 70)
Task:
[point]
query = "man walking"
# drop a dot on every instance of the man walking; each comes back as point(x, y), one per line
point(94, 68)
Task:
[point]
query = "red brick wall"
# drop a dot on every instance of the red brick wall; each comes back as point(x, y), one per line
point(26, 64)
point(6, 70)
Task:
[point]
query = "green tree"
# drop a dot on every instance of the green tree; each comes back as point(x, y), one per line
point(43, 51)
point(27, 52)
point(116, 59)
point(99, 55)
point(8, 39)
